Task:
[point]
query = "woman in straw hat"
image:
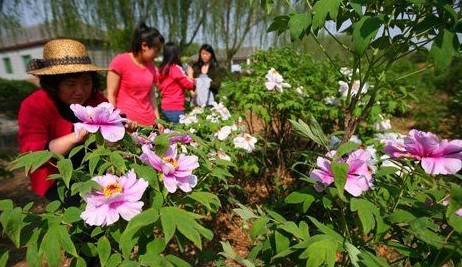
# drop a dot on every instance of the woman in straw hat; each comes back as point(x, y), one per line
point(45, 119)
point(132, 76)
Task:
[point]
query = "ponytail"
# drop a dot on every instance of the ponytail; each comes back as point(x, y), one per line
point(144, 33)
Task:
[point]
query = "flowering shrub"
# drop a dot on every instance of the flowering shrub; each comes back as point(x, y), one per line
point(121, 205)
point(395, 213)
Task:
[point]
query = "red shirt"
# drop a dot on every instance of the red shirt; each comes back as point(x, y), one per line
point(40, 122)
point(172, 87)
point(136, 82)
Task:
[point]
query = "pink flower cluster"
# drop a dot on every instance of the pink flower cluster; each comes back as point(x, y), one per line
point(436, 157)
point(118, 197)
point(102, 117)
point(176, 170)
point(359, 178)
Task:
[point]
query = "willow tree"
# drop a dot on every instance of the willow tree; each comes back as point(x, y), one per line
point(381, 32)
point(232, 21)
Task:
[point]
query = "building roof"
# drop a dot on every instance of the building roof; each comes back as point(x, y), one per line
point(41, 33)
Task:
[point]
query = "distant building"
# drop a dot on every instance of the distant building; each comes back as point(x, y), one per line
point(16, 49)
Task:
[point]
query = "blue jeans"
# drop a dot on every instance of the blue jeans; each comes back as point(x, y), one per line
point(173, 115)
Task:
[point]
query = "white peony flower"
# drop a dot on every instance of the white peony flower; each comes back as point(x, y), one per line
point(330, 100)
point(299, 91)
point(223, 133)
point(219, 154)
point(222, 110)
point(343, 89)
point(274, 80)
point(212, 118)
point(355, 139)
point(394, 138)
point(245, 141)
point(383, 125)
point(346, 72)
point(188, 119)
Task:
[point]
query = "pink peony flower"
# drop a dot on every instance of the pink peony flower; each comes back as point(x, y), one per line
point(176, 171)
point(118, 196)
point(359, 178)
point(437, 157)
point(182, 139)
point(459, 212)
point(102, 117)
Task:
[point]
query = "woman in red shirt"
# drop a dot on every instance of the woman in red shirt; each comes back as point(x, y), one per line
point(173, 82)
point(132, 75)
point(45, 119)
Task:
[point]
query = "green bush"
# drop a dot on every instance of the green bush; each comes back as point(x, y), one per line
point(15, 89)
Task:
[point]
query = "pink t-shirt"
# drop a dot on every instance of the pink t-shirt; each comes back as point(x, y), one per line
point(133, 98)
point(172, 87)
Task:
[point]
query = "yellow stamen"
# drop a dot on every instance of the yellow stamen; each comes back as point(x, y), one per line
point(112, 189)
point(171, 161)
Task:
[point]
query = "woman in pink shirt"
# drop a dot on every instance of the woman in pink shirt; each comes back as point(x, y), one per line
point(132, 75)
point(173, 82)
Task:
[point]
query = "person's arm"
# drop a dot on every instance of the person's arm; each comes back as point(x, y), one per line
point(62, 145)
point(113, 81)
point(215, 75)
point(153, 98)
point(184, 81)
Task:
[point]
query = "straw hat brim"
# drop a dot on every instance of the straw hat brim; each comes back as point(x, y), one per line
point(63, 69)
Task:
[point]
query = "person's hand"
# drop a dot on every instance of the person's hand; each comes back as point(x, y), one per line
point(189, 72)
point(81, 136)
point(161, 128)
point(193, 94)
point(131, 126)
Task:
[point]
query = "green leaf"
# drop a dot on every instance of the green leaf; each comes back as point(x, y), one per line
point(369, 259)
point(12, 223)
point(422, 228)
point(32, 255)
point(209, 200)
point(369, 215)
point(298, 23)
point(75, 150)
point(455, 202)
point(322, 250)
point(175, 218)
point(345, 149)
point(143, 219)
point(300, 197)
point(161, 144)
point(104, 250)
point(364, 31)
point(119, 162)
point(312, 131)
point(259, 227)
point(6, 204)
point(323, 8)
point(281, 240)
point(353, 252)
point(32, 161)
point(177, 261)
point(245, 212)
point(148, 173)
point(443, 49)
point(384, 171)
point(4, 257)
point(114, 260)
point(326, 230)
point(50, 248)
point(401, 216)
point(66, 241)
point(292, 228)
point(53, 206)
point(65, 169)
point(340, 171)
point(71, 215)
point(280, 24)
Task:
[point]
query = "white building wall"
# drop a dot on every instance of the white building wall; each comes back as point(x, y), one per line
point(17, 64)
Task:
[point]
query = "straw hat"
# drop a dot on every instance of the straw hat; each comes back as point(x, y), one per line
point(62, 56)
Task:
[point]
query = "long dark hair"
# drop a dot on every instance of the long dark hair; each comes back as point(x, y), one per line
point(213, 59)
point(150, 35)
point(171, 56)
point(50, 83)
